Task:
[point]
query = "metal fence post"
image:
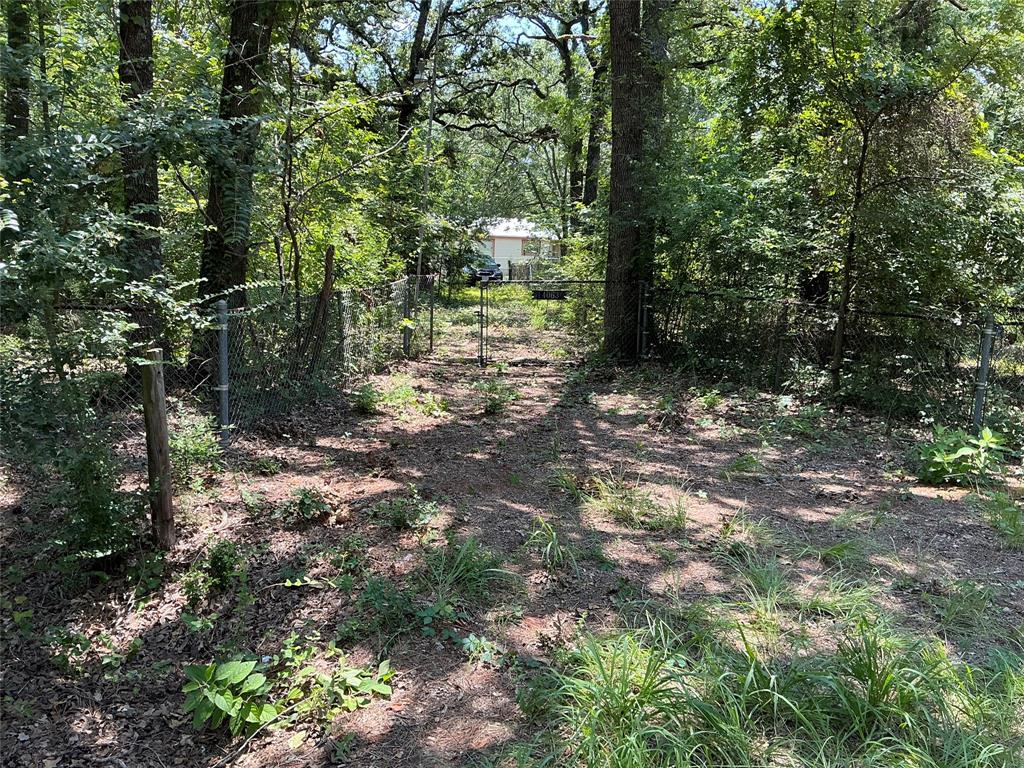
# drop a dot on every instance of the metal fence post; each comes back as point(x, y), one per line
point(406, 327)
point(433, 289)
point(223, 416)
point(340, 300)
point(483, 361)
point(981, 386)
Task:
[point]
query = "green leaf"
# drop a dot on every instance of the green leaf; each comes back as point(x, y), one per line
point(234, 672)
point(253, 682)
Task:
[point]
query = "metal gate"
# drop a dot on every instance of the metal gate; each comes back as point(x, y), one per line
point(540, 321)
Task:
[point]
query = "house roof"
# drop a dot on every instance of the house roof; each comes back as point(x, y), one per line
point(520, 228)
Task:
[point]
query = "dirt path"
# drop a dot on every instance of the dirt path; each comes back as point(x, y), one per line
point(815, 479)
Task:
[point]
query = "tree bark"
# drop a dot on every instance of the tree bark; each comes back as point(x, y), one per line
point(225, 258)
point(17, 83)
point(849, 253)
point(138, 157)
point(595, 134)
point(624, 271)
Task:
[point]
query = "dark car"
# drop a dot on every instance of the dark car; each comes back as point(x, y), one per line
point(483, 268)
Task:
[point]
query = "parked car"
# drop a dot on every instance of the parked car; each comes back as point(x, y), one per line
point(483, 268)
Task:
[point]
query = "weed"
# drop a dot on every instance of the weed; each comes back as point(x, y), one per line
point(671, 519)
point(746, 464)
point(625, 502)
point(955, 456)
point(267, 466)
point(708, 399)
point(461, 571)
point(232, 692)
point(405, 512)
point(1006, 516)
point(222, 568)
point(962, 605)
point(496, 394)
point(853, 518)
point(147, 574)
point(567, 482)
point(367, 400)
point(304, 506)
point(194, 448)
point(253, 501)
point(553, 553)
point(482, 650)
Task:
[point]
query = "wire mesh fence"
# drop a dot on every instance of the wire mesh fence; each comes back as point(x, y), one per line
point(900, 364)
point(283, 352)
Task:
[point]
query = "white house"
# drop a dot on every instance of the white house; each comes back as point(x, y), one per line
point(517, 241)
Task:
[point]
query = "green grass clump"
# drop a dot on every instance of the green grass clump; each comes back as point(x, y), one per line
point(554, 553)
point(961, 606)
point(1006, 516)
point(658, 695)
point(620, 500)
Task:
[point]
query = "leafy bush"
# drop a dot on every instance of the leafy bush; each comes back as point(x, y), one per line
point(304, 506)
point(194, 446)
point(497, 395)
point(232, 692)
point(222, 568)
point(405, 512)
point(955, 456)
point(102, 520)
point(367, 400)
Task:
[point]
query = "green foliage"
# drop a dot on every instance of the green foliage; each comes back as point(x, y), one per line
point(220, 570)
point(194, 447)
point(232, 692)
point(367, 400)
point(102, 520)
point(961, 605)
point(305, 505)
point(496, 394)
point(625, 502)
point(1005, 515)
point(482, 650)
point(405, 512)
point(554, 553)
point(955, 456)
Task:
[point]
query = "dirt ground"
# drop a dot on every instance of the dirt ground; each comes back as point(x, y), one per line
point(818, 481)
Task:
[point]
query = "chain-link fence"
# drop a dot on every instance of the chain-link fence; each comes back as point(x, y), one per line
point(282, 352)
point(901, 364)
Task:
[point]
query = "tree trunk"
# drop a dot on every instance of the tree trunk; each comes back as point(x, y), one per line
point(624, 271)
point(849, 252)
point(17, 83)
point(225, 257)
point(138, 157)
point(598, 106)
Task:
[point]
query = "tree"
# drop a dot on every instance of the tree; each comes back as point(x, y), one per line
point(17, 80)
point(225, 257)
point(141, 243)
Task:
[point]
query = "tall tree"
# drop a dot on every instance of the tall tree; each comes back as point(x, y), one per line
point(138, 156)
point(225, 257)
point(17, 81)
point(624, 271)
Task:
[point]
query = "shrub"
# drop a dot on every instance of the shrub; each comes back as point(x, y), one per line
point(367, 400)
point(955, 456)
point(102, 520)
point(232, 692)
point(304, 506)
point(497, 395)
point(194, 447)
point(222, 567)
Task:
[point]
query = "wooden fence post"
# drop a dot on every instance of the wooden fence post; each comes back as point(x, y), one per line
point(154, 407)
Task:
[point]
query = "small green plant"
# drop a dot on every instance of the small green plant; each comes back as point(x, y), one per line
point(147, 574)
point(266, 466)
point(1006, 516)
point(482, 650)
point(367, 400)
point(253, 501)
point(405, 512)
point(232, 692)
point(955, 456)
point(496, 394)
point(746, 464)
point(671, 518)
point(68, 649)
point(194, 447)
point(962, 604)
point(304, 506)
point(567, 482)
point(622, 501)
point(709, 399)
point(554, 554)
point(223, 567)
